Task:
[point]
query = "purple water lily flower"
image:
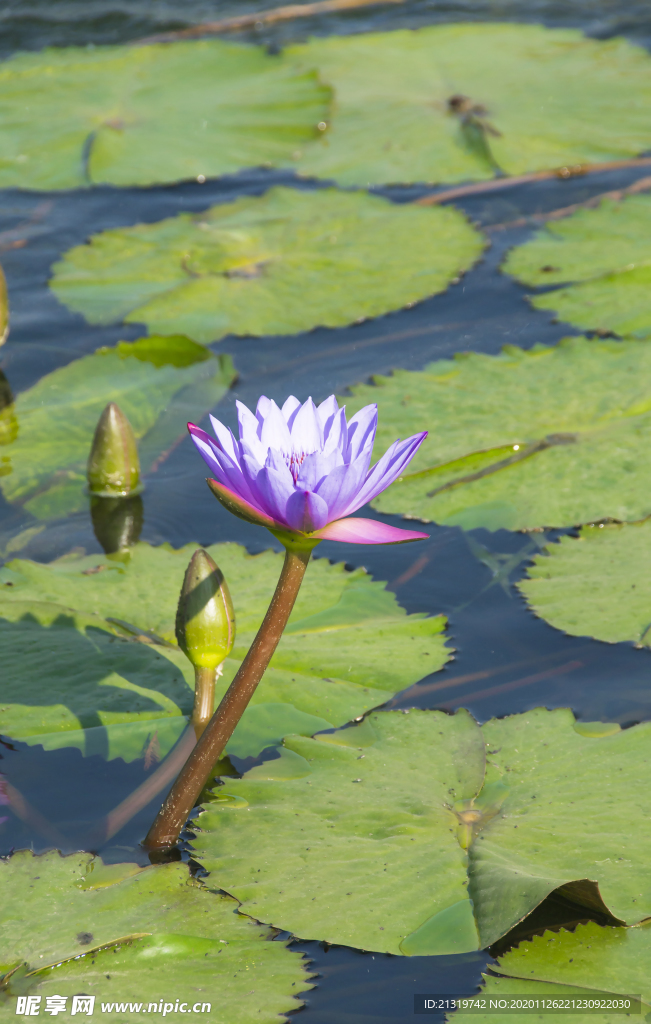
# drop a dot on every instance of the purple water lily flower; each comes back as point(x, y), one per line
point(304, 469)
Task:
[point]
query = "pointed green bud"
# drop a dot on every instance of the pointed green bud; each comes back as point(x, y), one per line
point(113, 465)
point(205, 620)
point(4, 308)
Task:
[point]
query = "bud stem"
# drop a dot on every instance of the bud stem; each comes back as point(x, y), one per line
point(196, 771)
point(204, 698)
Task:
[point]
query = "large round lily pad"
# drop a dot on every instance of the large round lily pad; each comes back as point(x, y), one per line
point(453, 102)
point(285, 262)
point(158, 382)
point(366, 829)
point(597, 584)
point(360, 840)
point(603, 256)
point(136, 115)
point(349, 646)
point(121, 933)
point(550, 437)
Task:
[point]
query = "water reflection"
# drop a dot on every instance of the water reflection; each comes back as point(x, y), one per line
point(117, 522)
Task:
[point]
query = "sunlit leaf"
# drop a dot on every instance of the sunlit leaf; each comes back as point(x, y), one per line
point(604, 256)
point(599, 959)
point(592, 963)
point(366, 829)
point(152, 381)
point(452, 102)
point(121, 933)
point(360, 842)
point(504, 993)
point(135, 115)
point(597, 584)
point(577, 814)
point(549, 437)
point(285, 262)
point(349, 647)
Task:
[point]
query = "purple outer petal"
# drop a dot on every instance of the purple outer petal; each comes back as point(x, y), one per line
point(306, 512)
point(367, 531)
point(306, 429)
point(227, 471)
point(289, 410)
point(225, 439)
point(361, 430)
point(275, 485)
point(384, 472)
point(274, 432)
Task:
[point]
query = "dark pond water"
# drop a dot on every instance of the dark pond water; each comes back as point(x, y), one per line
point(506, 660)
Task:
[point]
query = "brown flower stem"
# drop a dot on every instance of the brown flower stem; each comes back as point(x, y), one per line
point(196, 771)
point(204, 698)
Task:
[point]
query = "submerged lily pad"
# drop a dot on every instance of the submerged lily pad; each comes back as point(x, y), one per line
point(285, 262)
point(367, 829)
point(122, 933)
point(597, 584)
point(136, 115)
point(453, 102)
point(157, 382)
point(604, 256)
point(550, 437)
point(349, 646)
point(592, 963)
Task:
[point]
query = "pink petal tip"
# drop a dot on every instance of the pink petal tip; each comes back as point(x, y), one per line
point(366, 531)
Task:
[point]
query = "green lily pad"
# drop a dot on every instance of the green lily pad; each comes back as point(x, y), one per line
point(592, 963)
point(63, 670)
point(503, 992)
point(604, 257)
point(597, 959)
point(122, 933)
point(550, 437)
point(360, 836)
point(349, 646)
point(156, 381)
point(523, 98)
point(576, 816)
point(278, 264)
point(367, 829)
point(596, 584)
point(136, 115)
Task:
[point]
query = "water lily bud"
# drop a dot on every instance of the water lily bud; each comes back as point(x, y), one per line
point(4, 308)
point(205, 620)
point(113, 465)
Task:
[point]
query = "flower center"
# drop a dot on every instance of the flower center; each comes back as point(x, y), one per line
point(294, 462)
